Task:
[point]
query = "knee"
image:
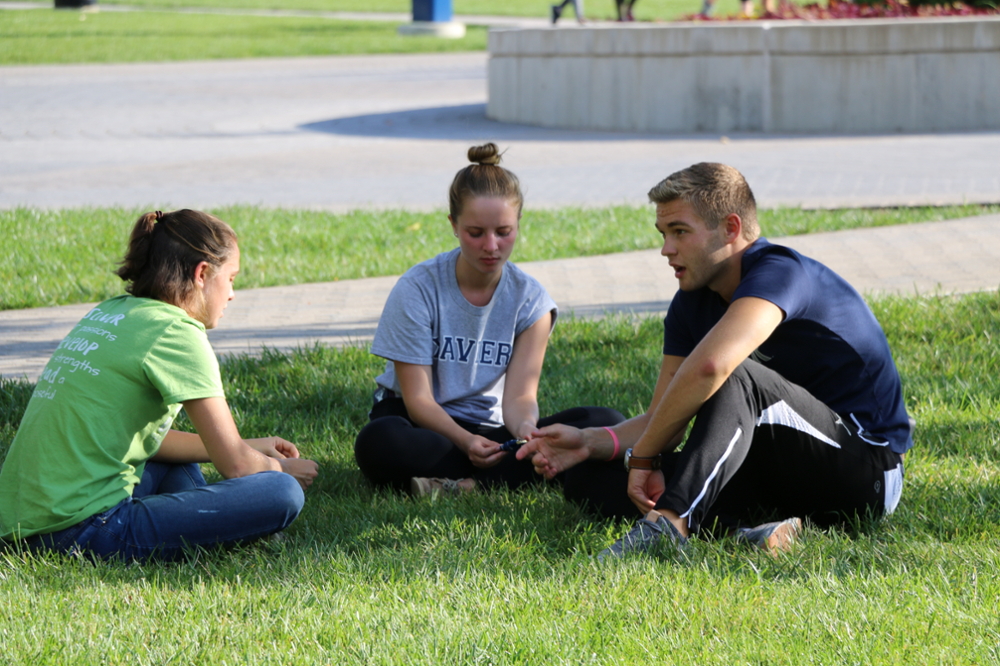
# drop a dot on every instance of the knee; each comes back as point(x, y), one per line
point(373, 444)
point(605, 416)
point(286, 496)
point(585, 417)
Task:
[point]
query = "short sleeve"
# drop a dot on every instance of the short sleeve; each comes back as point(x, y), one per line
point(182, 365)
point(405, 331)
point(780, 278)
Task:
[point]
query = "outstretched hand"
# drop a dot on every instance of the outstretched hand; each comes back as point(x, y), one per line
point(554, 449)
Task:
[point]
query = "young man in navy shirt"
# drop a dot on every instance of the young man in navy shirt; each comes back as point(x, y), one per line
point(797, 404)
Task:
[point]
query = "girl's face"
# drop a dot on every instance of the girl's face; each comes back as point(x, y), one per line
point(215, 290)
point(486, 230)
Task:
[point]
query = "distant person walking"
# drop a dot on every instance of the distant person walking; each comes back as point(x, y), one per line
point(557, 10)
point(746, 7)
point(624, 8)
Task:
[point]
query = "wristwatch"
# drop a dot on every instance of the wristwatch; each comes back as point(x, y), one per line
point(640, 462)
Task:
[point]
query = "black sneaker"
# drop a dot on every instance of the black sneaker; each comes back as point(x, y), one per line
point(775, 537)
point(556, 13)
point(643, 536)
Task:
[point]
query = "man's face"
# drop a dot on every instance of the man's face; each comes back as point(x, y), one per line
point(696, 253)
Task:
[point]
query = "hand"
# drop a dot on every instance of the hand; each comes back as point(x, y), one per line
point(645, 487)
point(482, 452)
point(304, 471)
point(555, 448)
point(274, 447)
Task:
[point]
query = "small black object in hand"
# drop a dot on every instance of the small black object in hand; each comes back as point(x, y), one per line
point(513, 444)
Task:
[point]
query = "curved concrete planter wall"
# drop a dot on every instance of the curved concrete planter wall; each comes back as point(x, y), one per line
point(910, 75)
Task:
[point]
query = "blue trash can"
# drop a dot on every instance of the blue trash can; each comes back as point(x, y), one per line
point(432, 10)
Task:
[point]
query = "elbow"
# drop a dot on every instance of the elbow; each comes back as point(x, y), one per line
point(713, 370)
point(707, 369)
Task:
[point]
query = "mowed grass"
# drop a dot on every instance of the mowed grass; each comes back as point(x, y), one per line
point(67, 256)
point(47, 37)
point(644, 10)
point(502, 578)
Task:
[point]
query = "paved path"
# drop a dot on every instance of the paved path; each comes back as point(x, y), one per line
point(931, 258)
point(390, 131)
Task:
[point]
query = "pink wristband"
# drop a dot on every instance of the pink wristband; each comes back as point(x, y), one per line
point(614, 438)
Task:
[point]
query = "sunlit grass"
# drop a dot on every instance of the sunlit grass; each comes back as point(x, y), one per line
point(68, 256)
point(506, 578)
point(42, 36)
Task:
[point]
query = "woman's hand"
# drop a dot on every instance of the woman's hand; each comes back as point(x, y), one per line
point(482, 452)
point(302, 470)
point(274, 447)
point(554, 449)
point(645, 487)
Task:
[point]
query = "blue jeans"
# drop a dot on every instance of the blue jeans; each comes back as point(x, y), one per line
point(173, 509)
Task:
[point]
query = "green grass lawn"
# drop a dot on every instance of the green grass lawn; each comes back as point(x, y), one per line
point(644, 10)
point(506, 578)
point(67, 256)
point(45, 37)
point(40, 36)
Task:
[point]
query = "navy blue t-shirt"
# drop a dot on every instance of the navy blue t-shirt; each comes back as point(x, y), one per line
point(829, 342)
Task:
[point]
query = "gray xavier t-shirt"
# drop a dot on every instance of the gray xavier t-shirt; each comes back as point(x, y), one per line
point(427, 321)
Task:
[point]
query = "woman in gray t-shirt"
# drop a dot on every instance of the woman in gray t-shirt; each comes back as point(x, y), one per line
point(464, 337)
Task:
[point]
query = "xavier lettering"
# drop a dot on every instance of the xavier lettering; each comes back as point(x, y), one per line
point(463, 351)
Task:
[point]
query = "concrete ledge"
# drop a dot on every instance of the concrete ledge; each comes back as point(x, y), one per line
point(912, 75)
point(447, 29)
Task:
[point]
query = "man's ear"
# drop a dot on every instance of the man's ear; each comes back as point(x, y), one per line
point(734, 227)
point(201, 273)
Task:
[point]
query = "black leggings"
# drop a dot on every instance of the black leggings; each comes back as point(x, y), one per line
point(391, 450)
point(763, 448)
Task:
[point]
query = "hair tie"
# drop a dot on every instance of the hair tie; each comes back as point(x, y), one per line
point(159, 215)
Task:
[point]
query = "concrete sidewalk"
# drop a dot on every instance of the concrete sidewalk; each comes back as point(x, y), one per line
point(383, 131)
point(933, 258)
point(389, 131)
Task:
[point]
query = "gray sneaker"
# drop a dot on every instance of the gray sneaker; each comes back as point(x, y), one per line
point(423, 486)
point(643, 536)
point(775, 537)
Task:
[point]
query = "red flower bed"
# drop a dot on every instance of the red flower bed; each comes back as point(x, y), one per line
point(862, 10)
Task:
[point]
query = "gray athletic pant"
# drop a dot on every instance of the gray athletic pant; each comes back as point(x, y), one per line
point(763, 448)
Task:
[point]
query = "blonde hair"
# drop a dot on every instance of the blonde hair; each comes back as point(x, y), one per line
point(483, 178)
point(714, 192)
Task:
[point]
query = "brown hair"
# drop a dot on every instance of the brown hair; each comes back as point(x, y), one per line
point(483, 178)
point(714, 192)
point(165, 248)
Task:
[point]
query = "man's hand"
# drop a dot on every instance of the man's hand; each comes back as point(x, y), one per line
point(304, 471)
point(554, 449)
point(274, 447)
point(645, 487)
point(482, 452)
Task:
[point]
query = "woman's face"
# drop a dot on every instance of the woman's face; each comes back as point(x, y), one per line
point(486, 230)
point(216, 290)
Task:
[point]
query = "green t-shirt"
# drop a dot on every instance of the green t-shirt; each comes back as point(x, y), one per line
point(101, 408)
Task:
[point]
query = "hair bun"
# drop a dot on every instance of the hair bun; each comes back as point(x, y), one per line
point(485, 154)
